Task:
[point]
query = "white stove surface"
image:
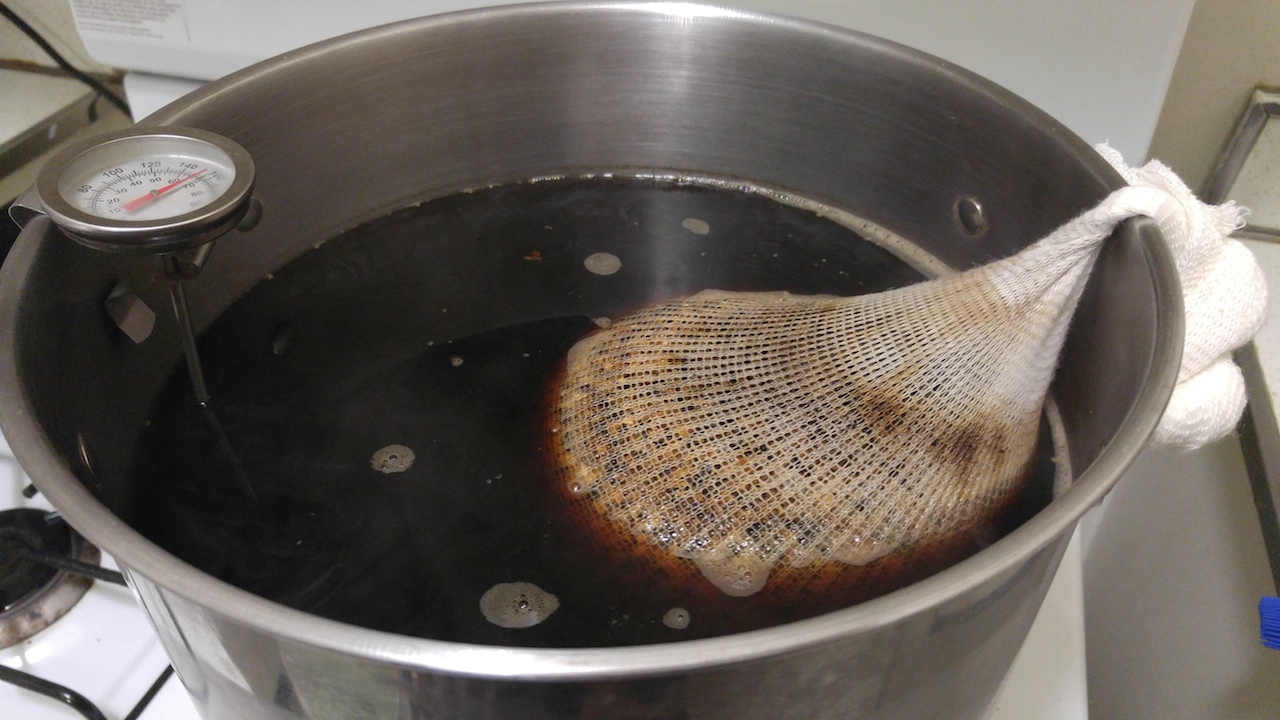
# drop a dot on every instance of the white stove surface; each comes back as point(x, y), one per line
point(105, 649)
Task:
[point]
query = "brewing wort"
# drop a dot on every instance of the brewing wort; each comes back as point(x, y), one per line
point(441, 328)
point(178, 296)
point(177, 269)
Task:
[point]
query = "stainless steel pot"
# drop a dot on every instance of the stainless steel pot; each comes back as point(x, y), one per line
point(356, 127)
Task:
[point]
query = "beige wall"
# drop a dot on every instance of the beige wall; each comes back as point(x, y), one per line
point(52, 19)
point(1230, 46)
point(1177, 563)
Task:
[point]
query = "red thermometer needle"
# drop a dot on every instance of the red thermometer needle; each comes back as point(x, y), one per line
point(139, 202)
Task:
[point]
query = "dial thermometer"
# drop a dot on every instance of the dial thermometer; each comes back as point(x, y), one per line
point(161, 191)
point(144, 191)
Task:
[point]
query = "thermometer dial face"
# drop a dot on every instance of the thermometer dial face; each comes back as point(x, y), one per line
point(147, 190)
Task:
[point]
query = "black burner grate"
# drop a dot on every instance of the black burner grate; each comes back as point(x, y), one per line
point(23, 531)
point(45, 568)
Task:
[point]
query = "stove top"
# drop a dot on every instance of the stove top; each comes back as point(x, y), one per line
point(102, 649)
point(33, 592)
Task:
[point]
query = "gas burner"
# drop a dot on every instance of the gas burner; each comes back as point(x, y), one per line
point(34, 595)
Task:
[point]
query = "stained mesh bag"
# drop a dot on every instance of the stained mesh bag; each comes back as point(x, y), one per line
point(751, 431)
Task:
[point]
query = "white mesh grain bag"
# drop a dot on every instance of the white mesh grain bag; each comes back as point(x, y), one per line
point(752, 431)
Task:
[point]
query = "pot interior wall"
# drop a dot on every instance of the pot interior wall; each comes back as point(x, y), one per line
point(359, 127)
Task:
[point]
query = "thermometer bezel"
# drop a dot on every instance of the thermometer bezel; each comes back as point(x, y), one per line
point(147, 237)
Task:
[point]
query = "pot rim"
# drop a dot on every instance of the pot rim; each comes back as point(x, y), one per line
point(140, 558)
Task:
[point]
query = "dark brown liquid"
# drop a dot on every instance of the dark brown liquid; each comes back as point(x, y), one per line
point(441, 328)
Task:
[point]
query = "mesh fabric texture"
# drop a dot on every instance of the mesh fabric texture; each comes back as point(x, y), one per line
point(749, 431)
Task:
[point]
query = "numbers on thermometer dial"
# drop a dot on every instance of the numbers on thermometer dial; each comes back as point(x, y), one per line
point(147, 190)
point(152, 188)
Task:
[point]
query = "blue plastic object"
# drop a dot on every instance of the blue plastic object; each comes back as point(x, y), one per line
point(1269, 614)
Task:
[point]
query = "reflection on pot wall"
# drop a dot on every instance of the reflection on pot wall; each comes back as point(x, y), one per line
point(1061, 57)
point(959, 647)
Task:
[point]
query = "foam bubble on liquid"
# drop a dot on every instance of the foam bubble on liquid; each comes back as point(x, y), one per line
point(392, 459)
point(677, 618)
point(737, 574)
point(603, 263)
point(517, 605)
point(696, 226)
